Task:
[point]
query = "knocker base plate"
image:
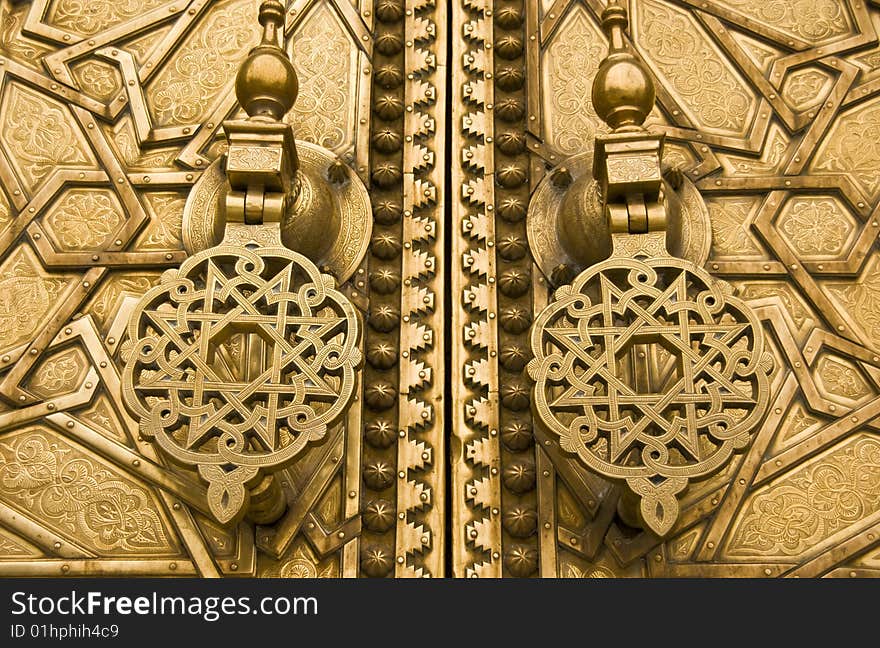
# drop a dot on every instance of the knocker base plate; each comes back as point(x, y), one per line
point(349, 203)
point(690, 231)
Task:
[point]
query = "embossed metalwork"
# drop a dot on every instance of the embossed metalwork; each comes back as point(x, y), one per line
point(111, 114)
point(218, 408)
point(88, 96)
point(794, 82)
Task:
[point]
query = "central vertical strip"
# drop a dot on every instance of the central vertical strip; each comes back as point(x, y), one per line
point(419, 541)
point(475, 456)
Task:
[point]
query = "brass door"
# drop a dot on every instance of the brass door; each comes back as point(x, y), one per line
point(117, 124)
point(112, 111)
point(769, 109)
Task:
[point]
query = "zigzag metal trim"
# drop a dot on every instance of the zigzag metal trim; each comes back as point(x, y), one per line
point(420, 516)
point(477, 485)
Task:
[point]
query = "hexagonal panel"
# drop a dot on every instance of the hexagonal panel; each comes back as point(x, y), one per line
point(60, 373)
point(98, 78)
point(84, 219)
point(840, 380)
point(817, 227)
point(805, 88)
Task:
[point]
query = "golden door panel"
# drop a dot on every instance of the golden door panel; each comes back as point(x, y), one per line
point(769, 111)
point(137, 176)
point(112, 116)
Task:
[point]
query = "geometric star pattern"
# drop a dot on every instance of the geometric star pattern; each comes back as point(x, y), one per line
point(598, 391)
point(237, 361)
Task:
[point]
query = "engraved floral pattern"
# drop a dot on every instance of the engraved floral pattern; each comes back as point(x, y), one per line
point(204, 65)
point(78, 496)
point(862, 299)
point(322, 54)
point(5, 216)
point(98, 79)
point(101, 415)
point(129, 150)
point(730, 235)
point(783, 292)
point(58, 374)
point(164, 231)
point(797, 423)
point(692, 68)
point(106, 301)
point(301, 564)
point(813, 20)
point(88, 17)
point(572, 60)
point(811, 504)
point(85, 219)
point(871, 59)
point(853, 147)
point(803, 88)
point(815, 227)
point(39, 134)
point(573, 571)
point(772, 156)
point(800, 421)
point(254, 157)
point(26, 295)
point(842, 380)
point(12, 42)
point(8, 547)
point(632, 169)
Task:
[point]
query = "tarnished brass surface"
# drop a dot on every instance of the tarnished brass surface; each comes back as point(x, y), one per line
point(112, 118)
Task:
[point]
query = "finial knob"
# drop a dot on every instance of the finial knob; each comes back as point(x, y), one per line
point(623, 92)
point(267, 85)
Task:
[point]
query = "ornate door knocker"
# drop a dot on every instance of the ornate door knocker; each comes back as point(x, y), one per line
point(647, 369)
point(248, 353)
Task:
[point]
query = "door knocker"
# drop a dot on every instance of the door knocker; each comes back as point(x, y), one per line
point(248, 353)
point(647, 369)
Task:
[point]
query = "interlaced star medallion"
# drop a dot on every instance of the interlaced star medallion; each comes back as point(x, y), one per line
point(650, 373)
point(237, 361)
